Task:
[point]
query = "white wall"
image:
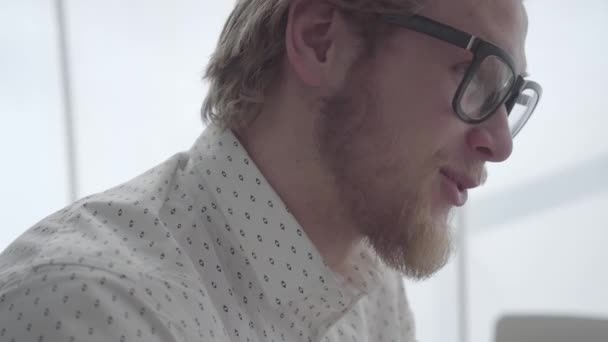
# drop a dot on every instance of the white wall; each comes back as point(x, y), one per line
point(137, 68)
point(539, 229)
point(136, 71)
point(535, 233)
point(32, 143)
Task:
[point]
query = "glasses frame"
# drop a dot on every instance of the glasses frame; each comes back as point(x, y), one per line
point(481, 49)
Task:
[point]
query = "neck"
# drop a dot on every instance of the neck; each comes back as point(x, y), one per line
point(282, 144)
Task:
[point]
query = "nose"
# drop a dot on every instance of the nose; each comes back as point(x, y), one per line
point(491, 140)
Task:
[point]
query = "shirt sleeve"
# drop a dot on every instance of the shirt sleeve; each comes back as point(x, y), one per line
point(78, 303)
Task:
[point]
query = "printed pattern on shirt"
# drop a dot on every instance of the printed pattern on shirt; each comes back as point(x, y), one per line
point(199, 248)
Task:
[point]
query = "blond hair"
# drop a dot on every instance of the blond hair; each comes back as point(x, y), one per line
point(250, 49)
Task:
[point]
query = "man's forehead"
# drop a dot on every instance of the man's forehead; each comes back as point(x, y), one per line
point(501, 22)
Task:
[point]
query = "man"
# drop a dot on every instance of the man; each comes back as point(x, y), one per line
point(341, 134)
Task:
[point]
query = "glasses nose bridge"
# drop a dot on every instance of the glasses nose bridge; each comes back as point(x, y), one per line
point(510, 102)
point(516, 91)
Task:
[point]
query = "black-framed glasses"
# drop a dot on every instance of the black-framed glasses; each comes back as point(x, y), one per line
point(490, 80)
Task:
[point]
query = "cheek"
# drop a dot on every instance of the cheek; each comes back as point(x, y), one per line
point(418, 116)
point(414, 98)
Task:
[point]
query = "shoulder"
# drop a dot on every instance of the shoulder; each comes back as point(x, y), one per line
point(125, 224)
point(134, 227)
point(112, 265)
point(63, 302)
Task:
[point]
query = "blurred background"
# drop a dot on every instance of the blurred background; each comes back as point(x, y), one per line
point(126, 95)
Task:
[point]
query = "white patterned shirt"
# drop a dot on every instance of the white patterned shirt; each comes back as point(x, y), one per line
point(199, 248)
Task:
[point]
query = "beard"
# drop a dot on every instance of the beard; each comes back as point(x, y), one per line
point(386, 198)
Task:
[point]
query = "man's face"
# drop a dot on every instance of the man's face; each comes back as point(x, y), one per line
point(392, 141)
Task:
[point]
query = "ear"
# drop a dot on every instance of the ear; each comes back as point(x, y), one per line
point(310, 39)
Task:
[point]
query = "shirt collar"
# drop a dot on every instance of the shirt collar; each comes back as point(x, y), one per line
point(292, 275)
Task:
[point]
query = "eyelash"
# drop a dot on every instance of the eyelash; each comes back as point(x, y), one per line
point(462, 67)
point(459, 70)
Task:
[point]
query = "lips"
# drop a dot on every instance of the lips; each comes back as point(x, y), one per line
point(462, 180)
point(458, 185)
point(453, 189)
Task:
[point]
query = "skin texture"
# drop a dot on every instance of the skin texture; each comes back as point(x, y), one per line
point(354, 141)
